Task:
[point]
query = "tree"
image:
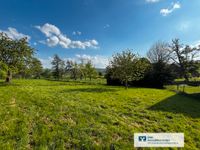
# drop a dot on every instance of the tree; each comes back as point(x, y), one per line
point(46, 73)
point(184, 57)
point(160, 73)
point(57, 67)
point(3, 69)
point(126, 67)
point(32, 69)
point(159, 52)
point(73, 69)
point(36, 68)
point(90, 70)
point(14, 54)
point(82, 71)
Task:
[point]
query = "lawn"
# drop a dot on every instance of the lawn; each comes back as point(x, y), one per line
point(41, 114)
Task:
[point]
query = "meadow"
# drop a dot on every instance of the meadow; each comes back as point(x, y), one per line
point(42, 114)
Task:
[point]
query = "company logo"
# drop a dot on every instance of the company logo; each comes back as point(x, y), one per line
point(142, 138)
point(158, 139)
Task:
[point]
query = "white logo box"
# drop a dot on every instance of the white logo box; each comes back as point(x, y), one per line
point(159, 140)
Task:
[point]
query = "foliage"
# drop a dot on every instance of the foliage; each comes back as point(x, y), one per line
point(160, 75)
point(36, 68)
point(3, 70)
point(46, 73)
point(184, 57)
point(73, 69)
point(80, 70)
point(127, 67)
point(90, 70)
point(15, 54)
point(57, 67)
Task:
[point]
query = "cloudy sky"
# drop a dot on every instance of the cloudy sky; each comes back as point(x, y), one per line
point(95, 29)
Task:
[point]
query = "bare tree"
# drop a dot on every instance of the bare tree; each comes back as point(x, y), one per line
point(183, 56)
point(159, 52)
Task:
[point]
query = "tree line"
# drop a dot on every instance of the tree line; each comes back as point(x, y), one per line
point(17, 59)
point(83, 70)
point(164, 63)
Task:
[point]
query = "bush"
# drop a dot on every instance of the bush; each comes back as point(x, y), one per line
point(157, 75)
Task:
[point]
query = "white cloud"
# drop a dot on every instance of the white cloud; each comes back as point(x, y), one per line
point(55, 37)
point(49, 29)
point(184, 26)
point(152, 1)
point(46, 63)
point(76, 33)
point(106, 26)
point(14, 34)
point(98, 60)
point(52, 41)
point(167, 11)
point(196, 44)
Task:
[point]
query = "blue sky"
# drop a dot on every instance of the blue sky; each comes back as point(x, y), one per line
point(95, 29)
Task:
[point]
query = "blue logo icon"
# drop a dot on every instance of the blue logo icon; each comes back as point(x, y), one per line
point(142, 138)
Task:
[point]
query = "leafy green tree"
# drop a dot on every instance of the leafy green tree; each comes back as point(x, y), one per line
point(36, 68)
point(14, 54)
point(126, 67)
point(90, 70)
point(3, 70)
point(73, 69)
point(57, 67)
point(82, 70)
point(32, 69)
point(46, 73)
point(161, 74)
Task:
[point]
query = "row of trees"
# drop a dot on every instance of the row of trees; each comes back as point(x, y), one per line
point(184, 59)
point(60, 69)
point(163, 64)
point(17, 57)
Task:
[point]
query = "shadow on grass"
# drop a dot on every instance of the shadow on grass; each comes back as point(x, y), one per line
point(187, 105)
point(195, 95)
point(81, 82)
point(92, 90)
point(3, 83)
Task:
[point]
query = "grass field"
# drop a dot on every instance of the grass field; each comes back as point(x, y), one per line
point(191, 79)
point(41, 114)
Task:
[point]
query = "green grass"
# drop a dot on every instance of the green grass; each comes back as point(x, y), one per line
point(191, 79)
point(40, 114)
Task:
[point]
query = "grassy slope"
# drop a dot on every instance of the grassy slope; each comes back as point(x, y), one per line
point(49, 114)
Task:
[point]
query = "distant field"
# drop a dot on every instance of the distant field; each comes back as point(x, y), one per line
point(41, 114)
point(191, 79)
point(187, 89)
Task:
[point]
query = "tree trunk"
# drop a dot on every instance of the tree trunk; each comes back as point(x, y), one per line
point(186, 78)
point(9, 76)
point(126, 84)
